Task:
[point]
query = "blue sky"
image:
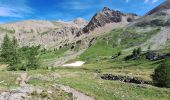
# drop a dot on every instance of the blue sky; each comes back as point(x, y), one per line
point(16, 10)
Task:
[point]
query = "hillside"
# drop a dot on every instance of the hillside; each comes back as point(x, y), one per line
point(163, 6)
point(157, 20)
point(59, 33)
point(45, 33)
point(118, 52)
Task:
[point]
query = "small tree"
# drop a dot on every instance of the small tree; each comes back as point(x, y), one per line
point(15, 57)
point(139, 50)
point(161, 75)
point(6, 49)
point(134, 52)
point(149, 48)
point(119, 53)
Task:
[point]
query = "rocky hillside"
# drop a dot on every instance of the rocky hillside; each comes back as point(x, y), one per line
point(58, 34)
point(163, 6)
point(46, 33)
point(159, 21)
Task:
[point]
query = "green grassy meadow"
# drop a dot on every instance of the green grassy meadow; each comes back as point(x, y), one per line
point(87, 79)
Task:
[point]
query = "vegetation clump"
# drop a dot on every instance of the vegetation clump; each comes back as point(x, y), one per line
point(18, 58)
point(161, 75)
point(135, 54)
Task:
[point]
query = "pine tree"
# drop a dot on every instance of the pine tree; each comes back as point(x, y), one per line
point(6, 50)
point(134, 52)
point(9, 53)
point(15, 58)
point(139, 50)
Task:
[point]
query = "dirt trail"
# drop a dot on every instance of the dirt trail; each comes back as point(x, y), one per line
point(20, 93)
point(76, 94)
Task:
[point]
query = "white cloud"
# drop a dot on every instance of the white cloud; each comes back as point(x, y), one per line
point(146, 1)
point(154, 1)
point(9, 12)
point(17, 9)
point(151, 1)
point(78, 5)
point(75, 5)
point(127, 1)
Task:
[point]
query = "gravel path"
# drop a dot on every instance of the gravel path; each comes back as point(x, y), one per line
point(78, 95)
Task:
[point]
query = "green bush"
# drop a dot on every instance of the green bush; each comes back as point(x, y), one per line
point(11, 68)
point(30, 56)
point(161, 75)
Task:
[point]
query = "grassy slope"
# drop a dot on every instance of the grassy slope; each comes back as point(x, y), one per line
point(119, 39)
point(87, 80)
point(104, 46)
point(51, 56)
point(114, 90)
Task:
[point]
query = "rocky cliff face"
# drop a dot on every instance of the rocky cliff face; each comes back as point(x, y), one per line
point(163, 6)
point(107, 16)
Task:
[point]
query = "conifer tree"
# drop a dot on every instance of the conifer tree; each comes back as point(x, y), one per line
point(6, 50)
point(15, 58)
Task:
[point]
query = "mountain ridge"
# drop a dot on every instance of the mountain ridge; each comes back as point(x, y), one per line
point(164, 6)
point(55, 34)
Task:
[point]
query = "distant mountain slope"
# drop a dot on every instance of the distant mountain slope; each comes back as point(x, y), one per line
point(163, 6)
point(45, 33)
point(159, 20)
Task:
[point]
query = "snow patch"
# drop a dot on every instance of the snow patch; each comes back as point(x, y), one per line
point(75, 64)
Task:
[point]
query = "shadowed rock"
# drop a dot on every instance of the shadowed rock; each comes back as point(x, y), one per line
point(127, 79)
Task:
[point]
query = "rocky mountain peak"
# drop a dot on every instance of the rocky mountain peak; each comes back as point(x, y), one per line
point(106, 9)
point(105, 16)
